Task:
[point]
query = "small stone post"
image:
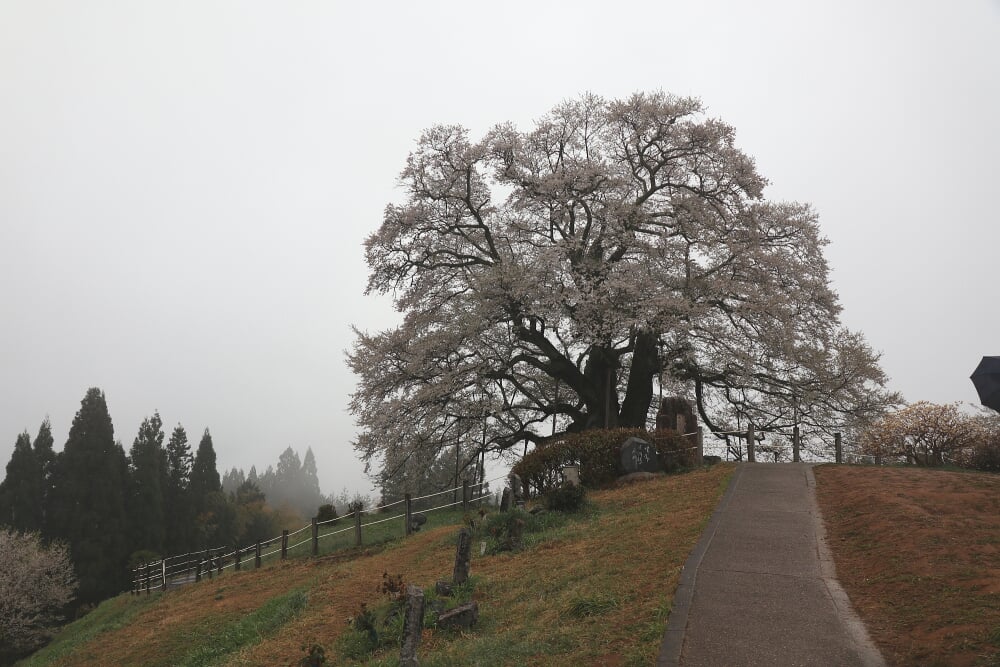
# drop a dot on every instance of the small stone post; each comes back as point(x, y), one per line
point(465, 495)
point(505, 499)
point(795, 445)
point(284, 545)
point(838, 448)
point(751, 443)
point(256, 557)
point(315, 537)
point(357, 527)
point(236, 559)
point(463, 554)
point(413, 625)
point(407, 514)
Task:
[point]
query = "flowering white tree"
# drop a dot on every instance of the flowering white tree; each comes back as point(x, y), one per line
point(36, 582)
point(557, 275)
point(924, 433)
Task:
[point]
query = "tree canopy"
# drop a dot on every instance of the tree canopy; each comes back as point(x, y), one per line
point(560, 274)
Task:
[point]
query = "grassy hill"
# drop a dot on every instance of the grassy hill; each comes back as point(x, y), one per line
point(918, 552)
point(592, 588)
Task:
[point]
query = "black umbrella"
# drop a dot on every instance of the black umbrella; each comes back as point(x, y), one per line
point(986, 377)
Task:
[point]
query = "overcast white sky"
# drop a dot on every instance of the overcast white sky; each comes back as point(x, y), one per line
point(185, 186)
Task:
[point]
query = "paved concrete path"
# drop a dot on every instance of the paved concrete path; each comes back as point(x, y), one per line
point(760, 587)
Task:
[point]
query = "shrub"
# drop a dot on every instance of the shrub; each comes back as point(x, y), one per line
point(327, 513)
point(985, 455)
point(598, 453)
point(565, 497)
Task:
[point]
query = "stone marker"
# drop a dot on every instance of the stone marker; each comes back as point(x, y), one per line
point(639, 456)
point(413, 625)
point(518, 490)
point(463, 616)
point(505, 500)
point(463, 554)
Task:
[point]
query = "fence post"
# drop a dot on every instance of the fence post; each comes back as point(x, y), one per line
point(357, 527)
point(135, 580)
point(407, 515)
point(284, 545)
point(465, 495)
point(699, 454)
point(197, 571)
point(145, 572)
point(795, 445)
point(256, 557)
point(751, 442)
point(236, 559)
point(218, 561)
point(838, 451)
point(315, 537)
point(163, 572)
point(210, 564)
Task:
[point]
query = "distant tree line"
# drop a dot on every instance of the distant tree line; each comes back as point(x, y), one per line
point(114, 509)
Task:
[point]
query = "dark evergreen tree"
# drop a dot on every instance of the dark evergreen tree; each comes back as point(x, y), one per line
point(204, 475)
point(177, 505)
point(215, 519)
point(87, 505)
point(45, 456)
point(148, 480)
point(22, 490)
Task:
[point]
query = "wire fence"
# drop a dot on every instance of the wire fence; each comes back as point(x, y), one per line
point(194, 566)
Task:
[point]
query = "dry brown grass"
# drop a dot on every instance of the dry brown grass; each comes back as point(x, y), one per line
point(918, 551)
point(625, 558)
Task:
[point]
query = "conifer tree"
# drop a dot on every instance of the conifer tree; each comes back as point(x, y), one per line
point(204, 474)
point(147, 484)
point(22, 489)
point(178, 510)
point(310, 478)
point(88, 500)
point(45, 457)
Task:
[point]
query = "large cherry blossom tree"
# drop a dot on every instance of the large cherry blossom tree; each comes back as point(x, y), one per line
point(555, 279)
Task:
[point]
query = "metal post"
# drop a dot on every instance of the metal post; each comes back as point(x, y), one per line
point(284, 545)
point(315, 537)
point(795, 445)
point(256, 557)
point(407, 515)
point(751, 441)
point(838, 448)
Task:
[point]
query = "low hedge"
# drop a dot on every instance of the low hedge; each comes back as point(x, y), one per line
point(598, 453)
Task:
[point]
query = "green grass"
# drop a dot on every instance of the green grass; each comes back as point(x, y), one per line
point(210, 645)
point(110, 615)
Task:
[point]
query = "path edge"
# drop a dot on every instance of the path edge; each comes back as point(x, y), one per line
point(673, 637)
point(856, 630)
